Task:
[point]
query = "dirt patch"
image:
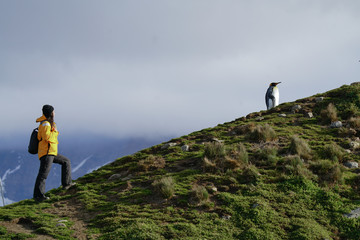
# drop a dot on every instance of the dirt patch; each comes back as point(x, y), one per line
point(23, 225)
point(73, 210)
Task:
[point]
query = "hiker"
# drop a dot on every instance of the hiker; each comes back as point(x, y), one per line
point(48, 153)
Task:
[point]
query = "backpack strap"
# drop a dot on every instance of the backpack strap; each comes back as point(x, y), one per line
point(41, 139)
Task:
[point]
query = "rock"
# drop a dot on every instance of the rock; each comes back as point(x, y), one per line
point(167, 145)
point(115, 176)
point(255, 205)
point(118, 175)
point(226, 217)
point(354, 145)
point(217, 140)
point(60, 225)
point(295, 108)
point(214, 189)
point(319, 99)
point(282, 115)
point(185, 148)
point(127, 178)
point(351, 164)
point(337, 124)
point(62, 221)
point(348, 150)
point(259, 118)
point(353, 214)
point(309, 115)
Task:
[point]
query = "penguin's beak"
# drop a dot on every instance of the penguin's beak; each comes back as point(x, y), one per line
point(278, 83)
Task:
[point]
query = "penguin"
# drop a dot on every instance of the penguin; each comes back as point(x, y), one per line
point(272, 96)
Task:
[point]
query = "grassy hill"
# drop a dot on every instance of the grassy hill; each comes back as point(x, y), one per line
point(277, 174)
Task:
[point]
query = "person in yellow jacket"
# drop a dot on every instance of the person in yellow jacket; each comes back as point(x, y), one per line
point(48, 154)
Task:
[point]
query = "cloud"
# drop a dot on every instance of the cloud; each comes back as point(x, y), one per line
point(130, 68)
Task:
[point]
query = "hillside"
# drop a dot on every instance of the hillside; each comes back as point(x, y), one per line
point(287, 173)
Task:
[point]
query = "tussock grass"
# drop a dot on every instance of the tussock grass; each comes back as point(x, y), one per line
point(165, 187)
point(333, 152)
point(219, 158)
point(262, 133)
point(329, 114)
point(199, 194)
point(267, 156)
point(295, 166)
point(151, 163)
point(354, 122)
point(300, 147)
point(328, 172)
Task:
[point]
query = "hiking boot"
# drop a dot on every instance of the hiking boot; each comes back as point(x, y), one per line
point(69, 186)
point(41, 199)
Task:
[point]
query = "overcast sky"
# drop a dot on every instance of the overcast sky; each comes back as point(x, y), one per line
point(149, 68)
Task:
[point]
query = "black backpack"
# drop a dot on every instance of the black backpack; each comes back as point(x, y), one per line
point(34, 142)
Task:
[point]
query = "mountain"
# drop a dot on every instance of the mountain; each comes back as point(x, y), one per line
point(287, 173)
point(19, 168)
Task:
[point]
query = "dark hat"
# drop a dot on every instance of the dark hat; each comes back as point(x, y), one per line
point(47, 110)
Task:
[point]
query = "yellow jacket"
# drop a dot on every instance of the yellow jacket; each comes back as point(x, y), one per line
point(47, 137)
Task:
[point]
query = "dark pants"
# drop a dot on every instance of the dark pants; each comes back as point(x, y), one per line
point(45, 166)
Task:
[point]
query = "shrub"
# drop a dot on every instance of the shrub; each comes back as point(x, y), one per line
point(151, 163)
point(355, 183)
point(350, 111)
point(262, 133)
point(237, 157)
point(299, 146)
point(217, 157)
point(329, 114)
point(249, 175)
point(295, 166)
point(268, 156)
point(199, 194)
point(208, 165)
point(243, 129)
point(354, 122)
point(333, 152)
point(214, 150)
point(164, 187)
point(328, 171)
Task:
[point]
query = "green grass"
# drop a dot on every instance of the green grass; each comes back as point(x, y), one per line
point(278, 178)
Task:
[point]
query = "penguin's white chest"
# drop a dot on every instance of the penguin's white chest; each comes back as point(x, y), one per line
point(276, 96)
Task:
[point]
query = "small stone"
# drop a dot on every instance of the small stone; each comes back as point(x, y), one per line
point(309, 115)
point(60, 225)
point(353, 214)
point(282, 115)
point(217, 140)
point(167, 145)
point(337, 124)
point(127, 178)
point(185, 148)
point(118, 175)
point(354, 145)
point(62, 221)
point(351, 164)
point(259, 118)
point(226, 217)
point(295, 108)
point(114, 177)
point(319, 99)
point(214, 189)
point(348, 150)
